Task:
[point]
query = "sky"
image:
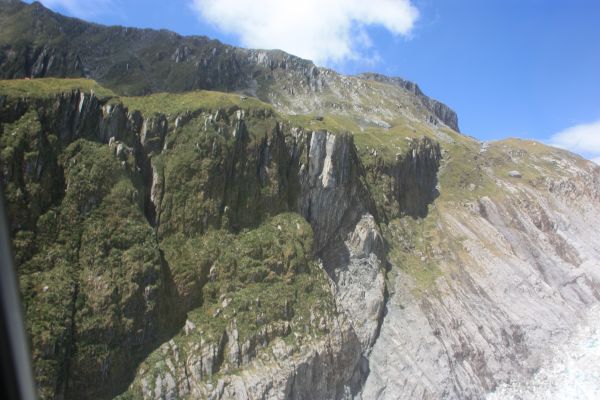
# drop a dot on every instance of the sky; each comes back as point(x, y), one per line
point(510, 68)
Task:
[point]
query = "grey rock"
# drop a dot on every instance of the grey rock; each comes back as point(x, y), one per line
point(360, 284)
point(515, 174)
point(523, 287)
point(442, 112)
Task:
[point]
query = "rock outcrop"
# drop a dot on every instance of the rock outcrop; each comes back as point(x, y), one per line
point(441, 111)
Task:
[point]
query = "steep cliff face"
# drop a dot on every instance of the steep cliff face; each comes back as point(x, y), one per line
point(186, 174)
point(217, 248)
point(89, 265)
point(156, 216)
point(342, 240)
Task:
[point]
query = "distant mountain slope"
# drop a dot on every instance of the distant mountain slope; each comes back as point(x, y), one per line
point(36, 42)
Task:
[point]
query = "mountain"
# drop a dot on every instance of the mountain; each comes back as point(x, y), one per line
point(294, 234)
point(36, 42)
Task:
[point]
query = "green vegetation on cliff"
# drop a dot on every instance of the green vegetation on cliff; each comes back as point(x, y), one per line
point(144, 226)
point(90, 275)
point(41, 88)
point(116, 243)
point(173, 104)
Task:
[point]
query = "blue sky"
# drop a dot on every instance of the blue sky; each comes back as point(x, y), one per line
point(524, 68)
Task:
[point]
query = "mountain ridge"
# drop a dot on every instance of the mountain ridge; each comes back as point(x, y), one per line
point(115, 56)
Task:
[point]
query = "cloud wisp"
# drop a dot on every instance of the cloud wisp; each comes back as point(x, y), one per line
point(325, 31)
point(583, 139)
point(80, 8)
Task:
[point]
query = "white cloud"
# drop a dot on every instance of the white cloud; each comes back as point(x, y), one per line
point(79, 8)
point(583, 139)
point(324, 31)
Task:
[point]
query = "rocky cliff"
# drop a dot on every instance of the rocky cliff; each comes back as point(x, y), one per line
point(199, 227)
point(339, 239)
point(515, 272)
point(275, 259)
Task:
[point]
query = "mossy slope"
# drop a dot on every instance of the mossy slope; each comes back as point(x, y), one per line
point(104, 279)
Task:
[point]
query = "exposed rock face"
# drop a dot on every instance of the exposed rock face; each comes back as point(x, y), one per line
point(527, 272)
point(414, 181)
point(572, 372)
point(509, 274)
point(328, 177)
point(441, 111)
point(336, 202)
point(212, 246)
point(321, 370)
point(360, 282)
point(330, 185)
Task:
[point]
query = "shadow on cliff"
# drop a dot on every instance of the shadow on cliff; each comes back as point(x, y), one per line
point(415, 179)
